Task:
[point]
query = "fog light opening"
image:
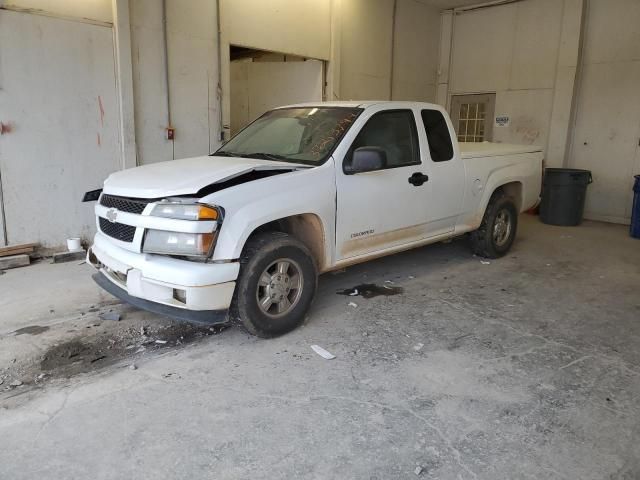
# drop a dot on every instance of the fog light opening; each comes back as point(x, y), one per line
point(180, 295)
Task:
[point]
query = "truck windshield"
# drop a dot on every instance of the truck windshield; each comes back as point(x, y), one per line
point(297, 135)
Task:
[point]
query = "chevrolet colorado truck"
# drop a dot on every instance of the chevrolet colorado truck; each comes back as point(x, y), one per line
point(241, 235)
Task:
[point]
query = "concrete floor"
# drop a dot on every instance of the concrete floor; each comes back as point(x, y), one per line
point(527, 367)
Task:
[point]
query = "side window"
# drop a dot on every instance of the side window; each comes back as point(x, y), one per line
point(395, 132)
point(438, 136)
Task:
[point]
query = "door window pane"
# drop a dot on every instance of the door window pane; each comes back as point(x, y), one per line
point(393, 131)
point(438, 137)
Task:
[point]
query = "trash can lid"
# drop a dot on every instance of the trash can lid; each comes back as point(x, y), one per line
point(566, 176)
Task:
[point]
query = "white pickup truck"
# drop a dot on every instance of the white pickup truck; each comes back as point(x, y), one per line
point(242, 234)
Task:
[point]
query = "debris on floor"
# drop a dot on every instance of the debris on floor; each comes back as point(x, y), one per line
point(64, 257)
point(14, 261)
point(12, 250)
point(322, 352)
point(370, 290)
point(484, 262)
point(112, 316)
point(353, 304)
point(418, 470)
point(418, 347)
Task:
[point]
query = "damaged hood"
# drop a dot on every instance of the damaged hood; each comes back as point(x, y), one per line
point(185, 177)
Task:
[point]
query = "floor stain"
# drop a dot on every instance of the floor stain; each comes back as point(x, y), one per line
point(84, 354)
point(370, 290)
point(31, 330)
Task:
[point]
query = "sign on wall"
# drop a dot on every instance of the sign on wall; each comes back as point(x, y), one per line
point(502, 120)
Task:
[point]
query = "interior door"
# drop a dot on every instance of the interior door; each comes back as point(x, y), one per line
point(58, 105)
point(382, 209)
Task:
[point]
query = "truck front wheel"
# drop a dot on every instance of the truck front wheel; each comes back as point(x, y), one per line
point(276, 285)
point(498, 228)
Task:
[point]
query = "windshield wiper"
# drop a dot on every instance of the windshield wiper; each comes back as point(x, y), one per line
point(265, 156)
point(226, 154)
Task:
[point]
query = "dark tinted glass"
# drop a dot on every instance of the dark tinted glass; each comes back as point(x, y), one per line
point(393, 131)
point(438, 136)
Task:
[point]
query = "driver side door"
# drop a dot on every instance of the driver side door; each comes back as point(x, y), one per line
point(385, 208)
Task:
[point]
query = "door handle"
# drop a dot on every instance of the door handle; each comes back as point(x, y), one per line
point(418, 179)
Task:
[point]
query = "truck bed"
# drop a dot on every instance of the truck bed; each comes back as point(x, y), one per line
point(489, 149)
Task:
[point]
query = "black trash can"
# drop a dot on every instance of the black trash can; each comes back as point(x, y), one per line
point(634, 230)
point(563, 195)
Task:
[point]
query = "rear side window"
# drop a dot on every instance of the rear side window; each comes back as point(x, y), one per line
point(438, 136)
point(395, 132)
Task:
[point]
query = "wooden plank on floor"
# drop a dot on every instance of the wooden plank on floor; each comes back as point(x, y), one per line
point(17, 251)
point(14, 261)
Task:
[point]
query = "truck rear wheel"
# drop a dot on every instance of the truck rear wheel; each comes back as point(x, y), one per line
point(498, 228)
point(276, 285)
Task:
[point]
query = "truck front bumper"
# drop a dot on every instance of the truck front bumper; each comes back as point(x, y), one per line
point(192, 291)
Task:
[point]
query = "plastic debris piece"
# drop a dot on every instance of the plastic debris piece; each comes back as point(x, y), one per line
point(484, 262)
point(113, 316)
point(161, 342)
point(418, 470)
point(322, 352)
point(353, 304)
point(133, 367)
point(354, 293)
point(418, 347)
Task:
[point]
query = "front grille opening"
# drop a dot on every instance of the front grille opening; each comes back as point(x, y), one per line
point(119, 231)
point(124, 204)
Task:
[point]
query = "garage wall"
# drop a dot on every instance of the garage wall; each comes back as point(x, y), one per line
point(415, 51)
point(525, 52)
point(383, 59)
point(607, 126)
point(97, 10)
point(296, 27)
point(193, 78)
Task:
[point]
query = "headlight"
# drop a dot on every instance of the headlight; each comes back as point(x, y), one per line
point(178, 243)
point(185, 211)
point(181, 243)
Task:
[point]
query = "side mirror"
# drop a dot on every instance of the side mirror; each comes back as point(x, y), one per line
point(367, 159)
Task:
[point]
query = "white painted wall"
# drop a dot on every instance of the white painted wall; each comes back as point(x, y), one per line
point(526, 53)
point(193, 78)
point(59, 97)
point(288, 26)
point(415, 51)
point(607, 128)
point(260, 86)
point(372, 50)
point(96, 10)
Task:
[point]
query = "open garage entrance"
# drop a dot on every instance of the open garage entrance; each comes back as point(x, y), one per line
point(262, 80)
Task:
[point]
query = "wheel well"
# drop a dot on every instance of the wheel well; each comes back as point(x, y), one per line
point(306, 227)
point(512, 190)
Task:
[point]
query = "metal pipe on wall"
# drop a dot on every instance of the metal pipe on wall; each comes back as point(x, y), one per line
point(393, 46)
point(165, 37)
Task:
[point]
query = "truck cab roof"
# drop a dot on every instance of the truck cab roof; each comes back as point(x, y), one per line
point(365, 104)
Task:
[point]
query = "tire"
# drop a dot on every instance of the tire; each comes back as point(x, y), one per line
point(265, 277)
point(494, 239)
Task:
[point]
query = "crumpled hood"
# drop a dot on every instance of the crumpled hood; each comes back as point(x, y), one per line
point(184, 177)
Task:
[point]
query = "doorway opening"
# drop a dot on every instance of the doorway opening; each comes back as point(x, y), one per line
point(262, 80)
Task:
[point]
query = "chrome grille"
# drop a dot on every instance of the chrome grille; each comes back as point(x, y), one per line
point(124, 204)
point(119, 231)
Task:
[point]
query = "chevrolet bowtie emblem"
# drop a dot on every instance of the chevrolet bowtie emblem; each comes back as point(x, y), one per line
point(112, 215)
